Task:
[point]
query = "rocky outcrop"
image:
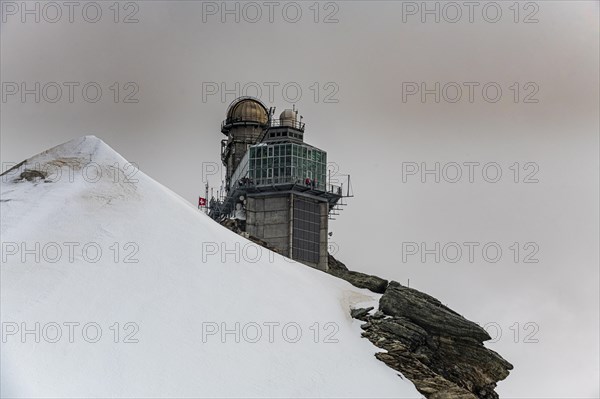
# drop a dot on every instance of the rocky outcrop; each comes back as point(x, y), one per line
point(437, 349)
point(427, 312)
point(360, 313)
point(357, 279)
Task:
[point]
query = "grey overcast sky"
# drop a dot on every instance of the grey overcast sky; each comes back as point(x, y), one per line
point(389, 89)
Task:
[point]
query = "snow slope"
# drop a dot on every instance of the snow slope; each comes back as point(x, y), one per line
point(181, 289)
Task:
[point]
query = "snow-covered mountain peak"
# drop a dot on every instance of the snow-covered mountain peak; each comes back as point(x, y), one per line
point(57, 183)
point(87, 155)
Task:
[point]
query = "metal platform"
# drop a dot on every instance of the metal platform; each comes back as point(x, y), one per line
point(226, 206)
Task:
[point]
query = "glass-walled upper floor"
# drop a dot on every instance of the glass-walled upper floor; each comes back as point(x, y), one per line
point(283, 163)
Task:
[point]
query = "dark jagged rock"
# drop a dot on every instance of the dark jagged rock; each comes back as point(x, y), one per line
point(31, 175)
point(361, 280)
point(378, 315)
point(360, 313)
point(428, 312)
point(437, 349)
point(357, 279)
point(335, 264)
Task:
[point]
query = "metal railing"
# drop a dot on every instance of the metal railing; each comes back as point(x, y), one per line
point(271, 123)
point(246, 182)
point(230, 121)
point(287, 123)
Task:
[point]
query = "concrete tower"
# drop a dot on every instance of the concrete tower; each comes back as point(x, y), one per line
point(277, 185)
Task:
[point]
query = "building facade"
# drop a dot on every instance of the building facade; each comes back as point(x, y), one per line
point(276, 185)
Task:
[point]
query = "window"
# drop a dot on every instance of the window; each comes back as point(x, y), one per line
point(293, 163)
point(306, 230)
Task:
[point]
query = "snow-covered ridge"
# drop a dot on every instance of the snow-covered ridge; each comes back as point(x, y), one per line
point(96, 257)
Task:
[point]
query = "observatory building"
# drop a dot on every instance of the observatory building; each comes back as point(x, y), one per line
point(276, 185)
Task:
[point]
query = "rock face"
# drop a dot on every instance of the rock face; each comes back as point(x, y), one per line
point(437, 349)
point(440, 351)
point(360, 313)
point(428, 312)
point(357, 279)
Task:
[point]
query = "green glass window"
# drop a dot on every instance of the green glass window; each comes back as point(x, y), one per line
point(287, 163)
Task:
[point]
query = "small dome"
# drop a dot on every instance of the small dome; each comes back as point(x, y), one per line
point(288, 114)
point(288, 118)
point(247, 109)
